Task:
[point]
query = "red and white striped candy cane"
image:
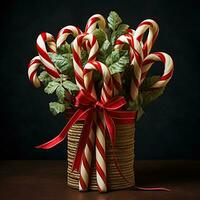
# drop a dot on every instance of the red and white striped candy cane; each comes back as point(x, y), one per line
point(32, 71)
point(85, 167)
point(168, 67)
point(93, 21)
point(99, 20)
point(65, 32)
point(78, 71)
point(106, 94)
point(91, 25)
point(42, 51)
point(77, 62)
point(152, 34)
point(136, 59)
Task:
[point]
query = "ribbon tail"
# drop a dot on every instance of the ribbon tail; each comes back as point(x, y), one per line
point(59, 138)
point(151, 188)
point(83, 140)
point(110, 127)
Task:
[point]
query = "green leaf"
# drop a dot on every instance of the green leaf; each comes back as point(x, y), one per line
point(120, 65)
point(104, 51)
point(62, 62)
point(114, 20)
point(113, 57)
point(64, 49)
point(56, 107)
point(105, 47)
point(51, 87)
point(44, 77)
point(148, 82)
point(70, 86)
point(60, 92)
point(122, 29)
point(84, 57)
point(140, 113)
point(100, 36)
point(136, 106)
point(113, 37)
point(151, 95)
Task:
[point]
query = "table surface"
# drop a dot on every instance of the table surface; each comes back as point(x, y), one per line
point(46, 180)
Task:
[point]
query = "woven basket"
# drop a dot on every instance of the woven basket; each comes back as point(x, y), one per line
point(125, 155)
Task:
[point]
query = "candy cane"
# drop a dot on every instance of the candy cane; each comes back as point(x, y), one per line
point(77, 62)
point(152, 35)
point(168, 68)
point(117, 83)
point(85, 167)
point(106, 94)
point(32, 71)
point(93, 21)
point(42, 51)
point(65, 32)
point(78, 71)
point(132, 32)
point(91, 25)
point(136, 59)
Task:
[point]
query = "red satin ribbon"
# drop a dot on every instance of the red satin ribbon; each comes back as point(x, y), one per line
point(88, 107)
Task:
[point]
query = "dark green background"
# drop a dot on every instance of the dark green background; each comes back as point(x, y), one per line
point(170, 126)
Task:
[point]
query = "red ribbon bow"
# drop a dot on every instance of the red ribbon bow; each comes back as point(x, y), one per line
point(90, 109)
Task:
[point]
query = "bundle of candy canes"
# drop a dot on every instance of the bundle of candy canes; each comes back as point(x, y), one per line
point(104, 68)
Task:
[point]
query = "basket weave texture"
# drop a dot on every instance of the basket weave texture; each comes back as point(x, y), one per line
point(124, 150)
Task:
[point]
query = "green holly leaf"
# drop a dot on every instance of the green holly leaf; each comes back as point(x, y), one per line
point(64, 49)
point(151, 95)
point(44, 77)
point(56, 107)
point(104, 51)
point(136, 105)
point(122, 29)
point(63, 62)
point(60, 92)
point(51, 87)
point(120, 65)
point(100, 35)
point(113, 57)
point(70, 86)
point(148, 82)
point(114, 20)
point(105, 47)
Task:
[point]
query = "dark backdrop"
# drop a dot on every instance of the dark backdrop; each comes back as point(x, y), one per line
point(170, 126)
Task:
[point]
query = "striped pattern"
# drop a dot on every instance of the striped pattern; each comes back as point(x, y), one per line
point(77, 62)
point(42, 51)
point(168, 67)
point(106, 94)
point(117, 83)
point(85, 168)
point(78, 70)
point(93, 21)
point(153, 28)
point(136, 59)
point(32, 71)
point(65, 32)
point(91, 25)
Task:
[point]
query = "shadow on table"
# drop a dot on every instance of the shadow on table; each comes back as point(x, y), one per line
point(167, 172)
